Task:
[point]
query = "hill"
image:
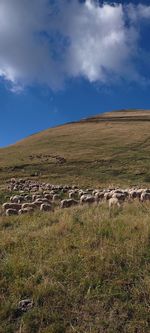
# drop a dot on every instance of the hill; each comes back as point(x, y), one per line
point(84, 269)
point(112, 148)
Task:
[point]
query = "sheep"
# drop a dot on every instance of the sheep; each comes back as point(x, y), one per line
point(145, 196)
point(133, 194)
point(45, 207)
point(56, 197)
point(45, 193)
point(16, 198)
point(28, 197)
point(11, 211)
point(114, 202)
point(87, 199)
point(48, 196)
point(10, 205)
point(25, 210)
point(41, 200)
point(81, 192)
point(68, 203)
point(36, 196)
point(28, 205)
point(71, 194)
point(107, 196)
point(34, 189)
point(120, 196)
point(13, 180)
point(99, 196)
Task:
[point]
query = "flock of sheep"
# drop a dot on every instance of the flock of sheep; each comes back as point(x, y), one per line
point(31, 195)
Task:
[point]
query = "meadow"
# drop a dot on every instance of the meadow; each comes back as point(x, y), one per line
point(84, 271)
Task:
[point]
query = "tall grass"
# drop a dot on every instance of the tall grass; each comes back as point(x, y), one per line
point(85, 271)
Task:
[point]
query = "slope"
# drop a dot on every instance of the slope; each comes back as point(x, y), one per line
point(113, 148)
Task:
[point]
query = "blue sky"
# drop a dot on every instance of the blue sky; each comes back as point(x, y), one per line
point(61, 61)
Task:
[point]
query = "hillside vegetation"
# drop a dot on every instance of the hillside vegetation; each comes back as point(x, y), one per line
point(86, 269)
point(113, 148)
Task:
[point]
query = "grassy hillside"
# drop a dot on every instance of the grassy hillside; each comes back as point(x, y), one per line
point(113, 148)
point(86, 272)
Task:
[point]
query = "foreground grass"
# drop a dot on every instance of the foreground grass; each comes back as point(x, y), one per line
point(86, 271)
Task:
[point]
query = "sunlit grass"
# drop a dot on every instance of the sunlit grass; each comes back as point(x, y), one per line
point(96, 153)
point(85, 271)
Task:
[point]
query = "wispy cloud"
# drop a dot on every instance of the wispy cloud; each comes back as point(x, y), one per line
point(47, 42)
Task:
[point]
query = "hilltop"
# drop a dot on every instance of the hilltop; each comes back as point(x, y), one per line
point(111, 148)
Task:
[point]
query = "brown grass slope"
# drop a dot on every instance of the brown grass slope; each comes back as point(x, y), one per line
point(109, 148)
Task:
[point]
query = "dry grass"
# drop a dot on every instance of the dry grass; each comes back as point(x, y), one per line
point(111, 149)
point(85, 271)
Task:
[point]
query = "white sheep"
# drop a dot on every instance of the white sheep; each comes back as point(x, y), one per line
point(45, 207)
point(114, 202)
point(10, 205)
point(10, 212)
point(68, 203)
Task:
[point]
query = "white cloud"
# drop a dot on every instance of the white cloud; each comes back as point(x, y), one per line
point(101, 44)
point(46, 42)
point(138, 12)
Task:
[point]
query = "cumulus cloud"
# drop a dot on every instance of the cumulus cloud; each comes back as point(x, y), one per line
point(47, 42)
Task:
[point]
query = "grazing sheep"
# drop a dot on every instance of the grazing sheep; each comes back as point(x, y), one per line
point(56, 197)
point(34, 189)
point(28, 197)
point(145, 196)
point(13, 180)
point(36, 196)
point(26, 210)
point(133, 194)
point(45, 207)
point(17, 198)
point(10, 205)
point(107, 196)
point(10, 212)
point(28, 205)
point(48, 196)
point(114, 202)
point(87, 199)
point(68, 203)
point(71, 194)
point(33, 194)
point(120, 196)
point(39, 202)
point(99, 196)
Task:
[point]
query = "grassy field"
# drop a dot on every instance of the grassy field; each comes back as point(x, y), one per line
point(103, 150)
point(86, 270)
